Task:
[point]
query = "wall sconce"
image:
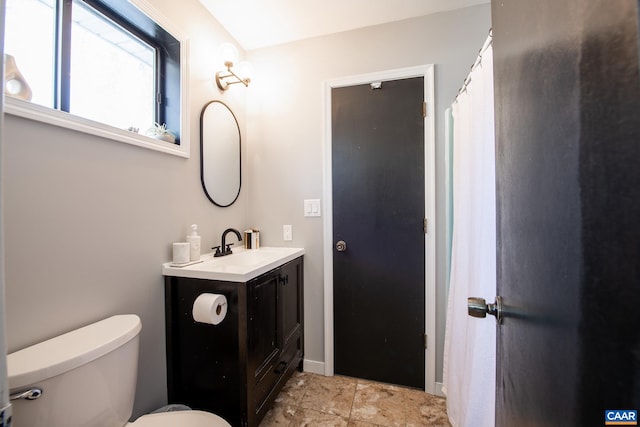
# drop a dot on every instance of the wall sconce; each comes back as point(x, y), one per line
point(226, 78)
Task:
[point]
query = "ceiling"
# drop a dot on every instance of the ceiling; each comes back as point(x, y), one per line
point(260, 23)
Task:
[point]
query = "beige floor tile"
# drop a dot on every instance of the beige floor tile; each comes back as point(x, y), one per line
point(310, 418)
point(356, 423)
point(315, 400)
point(426, 410)
point(281, 414)
point(295, 389)
point(380, 404)
point(331, 395)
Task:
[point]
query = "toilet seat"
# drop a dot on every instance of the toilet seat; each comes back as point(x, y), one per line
point(180, 418)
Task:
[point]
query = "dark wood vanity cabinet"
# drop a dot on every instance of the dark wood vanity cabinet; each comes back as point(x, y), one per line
point(236, 368)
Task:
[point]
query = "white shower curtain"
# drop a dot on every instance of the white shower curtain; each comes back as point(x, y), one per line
point(470, 343)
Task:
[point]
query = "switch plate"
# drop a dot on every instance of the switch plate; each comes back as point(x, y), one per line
point(287, 232)
point(312, 207)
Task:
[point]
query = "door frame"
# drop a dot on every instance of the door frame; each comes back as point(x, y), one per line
point(426, 71)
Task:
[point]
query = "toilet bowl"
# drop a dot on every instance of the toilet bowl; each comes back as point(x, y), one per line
point(180, 418)
point(87, 377)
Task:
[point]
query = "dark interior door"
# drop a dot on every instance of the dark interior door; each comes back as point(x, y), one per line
point(378, 211)
point(567, 100)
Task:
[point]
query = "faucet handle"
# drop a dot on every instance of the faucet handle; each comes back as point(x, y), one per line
point(217, 248)
point(227, 249)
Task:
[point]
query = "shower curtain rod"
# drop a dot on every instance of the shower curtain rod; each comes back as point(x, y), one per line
point(475, 65)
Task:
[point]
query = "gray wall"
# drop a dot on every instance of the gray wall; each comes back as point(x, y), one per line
point(89, 221)
point(285, 126)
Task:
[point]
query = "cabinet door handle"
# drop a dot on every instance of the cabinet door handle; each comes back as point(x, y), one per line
point(281, 367)
point(284, 279)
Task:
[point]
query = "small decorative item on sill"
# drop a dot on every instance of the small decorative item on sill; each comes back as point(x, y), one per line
point(158, 131)
point(15, 83)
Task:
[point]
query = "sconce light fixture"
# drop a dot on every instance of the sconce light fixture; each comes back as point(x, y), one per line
point(228, 77)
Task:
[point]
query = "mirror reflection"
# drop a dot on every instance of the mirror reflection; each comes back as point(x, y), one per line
point(220, 167)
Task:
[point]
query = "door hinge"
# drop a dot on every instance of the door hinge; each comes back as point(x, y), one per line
point(424, 109)
point(425, 341)
point(424, 225)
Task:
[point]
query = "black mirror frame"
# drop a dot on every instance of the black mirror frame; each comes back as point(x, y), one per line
point(204, 109)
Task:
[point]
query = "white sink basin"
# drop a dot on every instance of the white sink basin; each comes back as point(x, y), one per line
point(242, 265)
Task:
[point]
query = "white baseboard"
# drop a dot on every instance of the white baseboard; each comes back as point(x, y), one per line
point(313, 366)
point(438, 391)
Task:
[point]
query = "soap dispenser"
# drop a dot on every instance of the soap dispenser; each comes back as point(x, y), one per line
point(194, 243)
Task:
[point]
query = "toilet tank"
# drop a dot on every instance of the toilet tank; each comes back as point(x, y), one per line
point(87, 376)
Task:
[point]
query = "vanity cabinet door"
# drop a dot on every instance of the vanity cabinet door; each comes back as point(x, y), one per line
point(264, 342)
point(291, 301)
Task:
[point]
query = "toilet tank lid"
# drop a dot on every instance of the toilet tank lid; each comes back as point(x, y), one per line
point(71, 350)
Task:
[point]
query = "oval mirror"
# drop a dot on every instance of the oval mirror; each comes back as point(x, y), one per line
point(220, 154)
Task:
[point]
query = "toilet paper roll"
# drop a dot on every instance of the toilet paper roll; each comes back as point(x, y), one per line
point(210, 308)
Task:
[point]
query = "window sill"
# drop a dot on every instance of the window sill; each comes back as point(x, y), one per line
point(28, 110)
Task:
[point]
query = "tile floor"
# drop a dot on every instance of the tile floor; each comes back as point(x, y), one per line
point(314, 400)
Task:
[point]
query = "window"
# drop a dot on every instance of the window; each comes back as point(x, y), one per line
point(108, 65)
point(103, 60)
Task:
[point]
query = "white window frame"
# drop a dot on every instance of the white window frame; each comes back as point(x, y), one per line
point(29, 110)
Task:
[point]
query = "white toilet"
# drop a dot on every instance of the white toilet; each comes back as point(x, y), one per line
point(87, 378)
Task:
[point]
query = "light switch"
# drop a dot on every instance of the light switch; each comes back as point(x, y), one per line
point(287, 232)
point(312, 207)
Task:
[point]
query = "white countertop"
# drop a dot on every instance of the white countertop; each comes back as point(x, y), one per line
point(241, 266)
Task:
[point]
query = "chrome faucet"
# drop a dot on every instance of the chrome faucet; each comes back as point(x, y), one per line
point(225, 248)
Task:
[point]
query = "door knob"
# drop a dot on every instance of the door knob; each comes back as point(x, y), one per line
point(478, 307)
point(341, 246)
